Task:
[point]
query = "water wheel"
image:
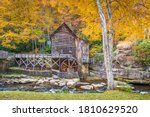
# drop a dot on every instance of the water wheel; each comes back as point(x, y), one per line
point(69, 65)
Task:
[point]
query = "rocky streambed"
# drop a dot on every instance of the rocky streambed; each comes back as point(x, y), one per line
point(55, 85)
point(49, 84)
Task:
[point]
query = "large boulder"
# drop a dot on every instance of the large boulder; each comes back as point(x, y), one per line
point(123, 55)
point(126, 45)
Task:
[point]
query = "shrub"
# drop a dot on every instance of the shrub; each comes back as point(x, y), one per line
point(142, 52)
point(99, 57)
point(95, 47)
point(46, 49)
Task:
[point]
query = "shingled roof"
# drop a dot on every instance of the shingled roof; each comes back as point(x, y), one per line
point(66, 26)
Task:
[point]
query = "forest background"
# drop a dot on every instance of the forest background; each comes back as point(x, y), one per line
point(26, 25)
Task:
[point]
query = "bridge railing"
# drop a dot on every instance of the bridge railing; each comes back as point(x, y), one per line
point(31, 55)
point(43, 55)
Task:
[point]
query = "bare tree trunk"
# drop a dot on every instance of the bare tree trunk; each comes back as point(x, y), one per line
point(111, 33)
point(32, 44)
point(48, 36)
point(110, 30)
point(35, 43)
point(106, 49)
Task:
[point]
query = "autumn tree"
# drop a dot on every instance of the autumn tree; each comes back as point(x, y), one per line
point(107, 45)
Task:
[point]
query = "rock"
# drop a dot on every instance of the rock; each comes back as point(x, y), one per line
point(41, 81)
point(123, 56)
point(8, 82)
point(125, 45)
point(1, 84)
point(49, 78)
point(25, 81)
point(98, 86)
point(11, 81)
point(76, 79)
point(148, 69)
point(92, 74)
point(118, 83)
point(44, 81)
point(86, 87)
point(144, 82)
point(78, 84)
point(54, 82)
point(62, 83)
point(55, 76)
point(65, 88)
point(16, 81)
point(144, 92)
point(125, 60)
point(54, 90)
point(122, 86)
point(72, 82)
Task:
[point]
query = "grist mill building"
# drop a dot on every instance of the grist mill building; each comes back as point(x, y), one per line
point(74, 50)
point(69, 54)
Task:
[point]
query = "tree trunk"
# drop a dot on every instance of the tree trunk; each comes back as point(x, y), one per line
point(32, 45)
point(106, 49)
point(111, 33)
point(48, 36)
point(110, 30)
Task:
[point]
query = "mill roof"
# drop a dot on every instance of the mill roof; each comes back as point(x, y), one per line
point(67, 27)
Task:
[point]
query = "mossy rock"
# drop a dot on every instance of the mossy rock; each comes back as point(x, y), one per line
point(123, 86)
point(127, 88)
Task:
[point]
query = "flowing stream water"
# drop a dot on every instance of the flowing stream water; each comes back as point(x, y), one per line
point(46, 88)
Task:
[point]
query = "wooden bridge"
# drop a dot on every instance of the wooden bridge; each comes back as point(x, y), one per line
point(61, 62)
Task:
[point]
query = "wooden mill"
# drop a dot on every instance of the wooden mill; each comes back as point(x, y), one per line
point(65, 42)
point(69, 54)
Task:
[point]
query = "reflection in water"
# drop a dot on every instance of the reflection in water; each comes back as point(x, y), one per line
point(141, 88)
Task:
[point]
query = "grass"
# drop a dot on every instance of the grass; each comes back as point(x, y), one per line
point(108, 95)
point(10, 74)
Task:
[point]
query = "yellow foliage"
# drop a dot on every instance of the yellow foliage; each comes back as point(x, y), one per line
point(9, 39)
point(20, 17)
point(95, 50)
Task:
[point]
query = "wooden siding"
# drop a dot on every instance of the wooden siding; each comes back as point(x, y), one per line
point(63, 42)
